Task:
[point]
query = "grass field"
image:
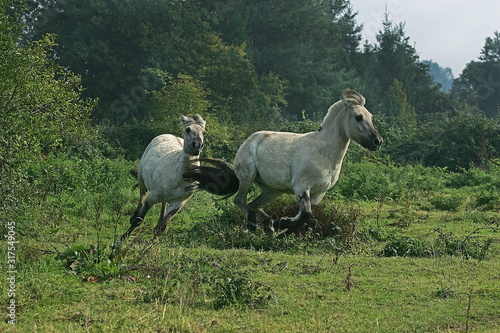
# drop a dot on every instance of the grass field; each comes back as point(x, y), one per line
point(390, 249)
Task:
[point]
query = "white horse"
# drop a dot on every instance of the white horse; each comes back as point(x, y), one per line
point(160, 172)
point(306, 165)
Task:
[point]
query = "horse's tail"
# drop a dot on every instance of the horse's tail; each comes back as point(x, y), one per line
point(218, 179)
point(134, 172)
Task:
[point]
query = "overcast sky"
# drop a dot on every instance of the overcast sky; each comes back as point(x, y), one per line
point(449, 32)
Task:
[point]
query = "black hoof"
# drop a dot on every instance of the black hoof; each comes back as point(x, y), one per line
point(281, 223)
point(269, 228)
point(136, 221)
point(251, 227)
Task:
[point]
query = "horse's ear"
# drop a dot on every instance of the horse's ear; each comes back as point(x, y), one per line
point(352, 97)
point(185, 120)
point(199, 120)
point(345, 101)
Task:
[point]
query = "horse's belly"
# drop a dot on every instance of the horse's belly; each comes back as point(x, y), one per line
point(277, 183)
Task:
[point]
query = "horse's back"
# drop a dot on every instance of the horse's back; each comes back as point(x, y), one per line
point(160, 150)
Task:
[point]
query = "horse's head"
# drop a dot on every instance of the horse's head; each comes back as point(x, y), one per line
point(359, 126)
point(194, 132)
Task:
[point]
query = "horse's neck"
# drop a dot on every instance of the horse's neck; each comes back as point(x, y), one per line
point(333, 133)
point(187, 161)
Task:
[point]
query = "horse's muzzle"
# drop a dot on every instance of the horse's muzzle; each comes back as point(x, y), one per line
point(374, 142)
point(196, 148)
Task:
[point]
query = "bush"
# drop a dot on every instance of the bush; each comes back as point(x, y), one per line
point(471, 177)
point(488, 199)
point(235, 288)
point(469, 247)
point(449, 203)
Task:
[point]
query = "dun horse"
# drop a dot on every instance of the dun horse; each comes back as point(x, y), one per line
point(306, 165)
point(160, 172)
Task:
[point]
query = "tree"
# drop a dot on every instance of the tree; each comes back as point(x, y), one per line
point(304, 43)
point(479, 82)
point(394, 58)
point(348, 33)
point(41, 105)
point(459, 142)
point(41, 112)
point(110, 42)
point(401, 109)
point(182, 96)
point(114, 43)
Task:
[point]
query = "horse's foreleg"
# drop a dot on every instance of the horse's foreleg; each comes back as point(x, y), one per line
point(136, 219)
point(163, 210)
point(305, 212)
point(139, 206)
point(173, 209)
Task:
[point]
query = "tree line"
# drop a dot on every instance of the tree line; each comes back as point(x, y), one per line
point(128, 69)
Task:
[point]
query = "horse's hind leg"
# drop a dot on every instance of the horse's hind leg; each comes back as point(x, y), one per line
point(241, 201)
point(265, 197)
point(173, 209)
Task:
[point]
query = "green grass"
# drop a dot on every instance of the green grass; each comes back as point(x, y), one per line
point(208, 274)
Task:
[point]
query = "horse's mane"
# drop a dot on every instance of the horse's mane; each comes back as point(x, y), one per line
point(350, 97)
point(194, 119)
point(353, 97)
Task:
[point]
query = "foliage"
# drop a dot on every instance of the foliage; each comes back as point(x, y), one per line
point(251, 65)
point(444, 244)
point(41, 110)
point(182, 96)
point(404, 112)
point(457, 142)
point(88, 262)
point(395, 59)
point(41, 105)
point(237, 289)
point(110, 42)
point(479, 82)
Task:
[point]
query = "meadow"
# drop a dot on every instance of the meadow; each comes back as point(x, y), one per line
point(390, 249)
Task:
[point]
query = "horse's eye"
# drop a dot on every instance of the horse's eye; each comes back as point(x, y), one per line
point(188, 130)
point(359, 117)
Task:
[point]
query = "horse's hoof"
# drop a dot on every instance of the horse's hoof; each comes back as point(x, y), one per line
point(269, 228)
point(251, 227)
point(277, 224)
point(136, 221)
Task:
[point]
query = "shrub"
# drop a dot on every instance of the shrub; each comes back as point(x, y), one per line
point(235, 288)
point(89, 262)
point(449, 203)
point(444, 244)
point(471, 177)
point(488, 199)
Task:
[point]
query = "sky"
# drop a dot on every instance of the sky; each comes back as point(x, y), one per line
point(449, 32)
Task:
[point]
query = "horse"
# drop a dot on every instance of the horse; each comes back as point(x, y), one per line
point(306, 165)
point(160, 172)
